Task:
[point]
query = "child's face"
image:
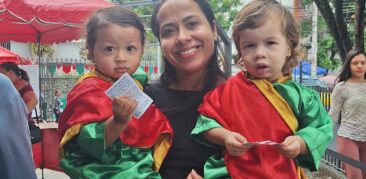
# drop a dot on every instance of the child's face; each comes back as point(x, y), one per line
point(358, 66)
point(186, 36)
point(264, 50)
point(117, 50)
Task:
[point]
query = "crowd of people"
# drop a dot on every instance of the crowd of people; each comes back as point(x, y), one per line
point(258, 123)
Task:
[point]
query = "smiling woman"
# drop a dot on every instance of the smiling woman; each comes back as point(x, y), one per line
point(188, 40)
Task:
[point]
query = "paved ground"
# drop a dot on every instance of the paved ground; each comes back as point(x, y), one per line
point(50, 174)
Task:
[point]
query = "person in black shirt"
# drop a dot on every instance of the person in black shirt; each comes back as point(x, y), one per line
point(188, 38)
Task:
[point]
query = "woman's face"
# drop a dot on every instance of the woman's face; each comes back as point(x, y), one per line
point(186, 37)
point(358, 66)
point(5, 72)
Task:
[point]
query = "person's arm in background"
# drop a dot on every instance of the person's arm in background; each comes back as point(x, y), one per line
point(30, 100)
point(337, 103)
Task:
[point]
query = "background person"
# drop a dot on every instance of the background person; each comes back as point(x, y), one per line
point(56, 105)
point(20, 79)
point(349, 100)
point(15, 146)
point(187, 33)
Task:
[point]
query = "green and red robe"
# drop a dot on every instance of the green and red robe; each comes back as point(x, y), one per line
point(139, 152)
point(261, 111)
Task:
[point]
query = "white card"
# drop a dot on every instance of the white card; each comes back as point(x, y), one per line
point(126, 86)
point(266, 142)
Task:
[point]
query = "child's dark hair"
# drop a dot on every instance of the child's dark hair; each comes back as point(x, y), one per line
point(112, 15)
point(346, 70)
point(256, 13)
point(15, 68)
point(214, 71)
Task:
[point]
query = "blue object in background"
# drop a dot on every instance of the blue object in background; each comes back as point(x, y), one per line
point(306, 69)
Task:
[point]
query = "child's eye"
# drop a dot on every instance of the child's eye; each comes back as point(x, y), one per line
point(131, 48)
point(248, 45)
point(271, 42)
point(109, 49)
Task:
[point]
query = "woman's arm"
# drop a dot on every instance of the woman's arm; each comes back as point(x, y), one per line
point(30, 100)
point(337, 103)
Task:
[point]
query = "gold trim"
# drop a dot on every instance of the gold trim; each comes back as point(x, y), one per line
point(278, 102)
point(160, 149)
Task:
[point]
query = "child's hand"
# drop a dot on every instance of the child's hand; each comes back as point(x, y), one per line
point(234, 144)
point(122, 109)
point(292, 146)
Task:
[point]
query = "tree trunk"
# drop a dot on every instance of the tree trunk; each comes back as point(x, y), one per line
point(328, 16)
point(342, 26)
point(359, 24)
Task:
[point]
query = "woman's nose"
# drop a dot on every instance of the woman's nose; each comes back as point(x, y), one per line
point(183, 36)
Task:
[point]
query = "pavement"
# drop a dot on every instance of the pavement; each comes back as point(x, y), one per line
point(50, 174)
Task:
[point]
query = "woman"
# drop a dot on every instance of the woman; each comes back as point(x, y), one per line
point(188, 40)
point(20, 79)
point(349, 102)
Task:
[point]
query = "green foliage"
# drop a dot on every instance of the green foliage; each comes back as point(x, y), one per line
point(42, 50)
point(225, 11)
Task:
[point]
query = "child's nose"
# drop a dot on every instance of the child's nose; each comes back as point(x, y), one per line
point(120, 56)
point(259, 52)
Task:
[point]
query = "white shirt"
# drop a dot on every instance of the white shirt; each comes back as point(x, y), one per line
point(349, 100)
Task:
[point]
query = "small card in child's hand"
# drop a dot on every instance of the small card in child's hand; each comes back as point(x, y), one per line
point(266, 142)
point(126, 86)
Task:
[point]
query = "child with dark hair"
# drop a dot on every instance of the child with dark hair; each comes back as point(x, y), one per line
point(263, 104)
point(99, 136)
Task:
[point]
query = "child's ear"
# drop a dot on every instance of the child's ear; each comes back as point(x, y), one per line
point(289, 52)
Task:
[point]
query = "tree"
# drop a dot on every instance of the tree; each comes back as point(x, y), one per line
point(337, 24)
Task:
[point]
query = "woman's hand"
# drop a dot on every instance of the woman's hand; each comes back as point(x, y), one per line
point(122, 109)
point(194, 175)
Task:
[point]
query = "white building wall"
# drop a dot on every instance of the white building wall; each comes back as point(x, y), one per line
point(70, 50)
point(22, 49)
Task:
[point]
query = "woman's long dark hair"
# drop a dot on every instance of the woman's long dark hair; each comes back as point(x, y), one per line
point(214, 73)
point(346, 70)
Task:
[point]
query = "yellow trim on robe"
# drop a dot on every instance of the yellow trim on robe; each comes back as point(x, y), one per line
point(278, 102)
point(160, 149)
point(75, 129)
point(282, 107)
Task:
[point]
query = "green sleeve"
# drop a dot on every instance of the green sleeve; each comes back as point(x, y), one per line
point(316, 130)
point(85, 156)
point(215, 165)
point(315, 125)
point(141, 76)
point(204, 124)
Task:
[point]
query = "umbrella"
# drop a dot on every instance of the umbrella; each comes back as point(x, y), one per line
point(306, 69)
point(8, 56)
point(45, 21)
